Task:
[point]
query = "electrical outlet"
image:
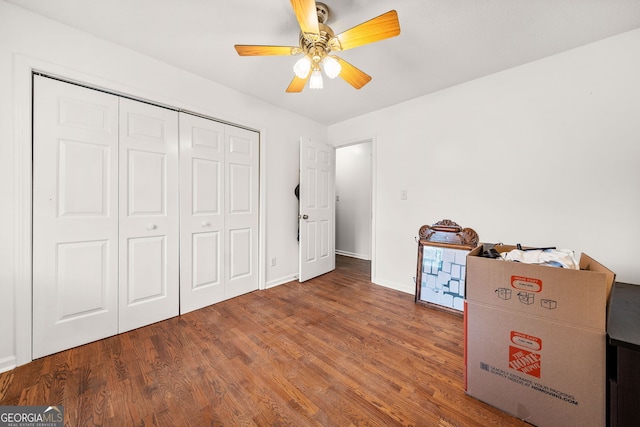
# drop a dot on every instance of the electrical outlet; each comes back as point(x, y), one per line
point(273, 261)
point(403, 194)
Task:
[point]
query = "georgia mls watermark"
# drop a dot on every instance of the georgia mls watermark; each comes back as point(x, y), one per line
point(31, 416)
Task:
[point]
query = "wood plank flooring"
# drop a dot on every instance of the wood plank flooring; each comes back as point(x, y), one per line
point(334, 351)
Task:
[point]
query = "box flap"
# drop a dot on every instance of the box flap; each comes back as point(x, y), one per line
point(571, 296)
point(588, 263)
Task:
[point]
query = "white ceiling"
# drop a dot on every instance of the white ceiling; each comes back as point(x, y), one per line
point(442, 42)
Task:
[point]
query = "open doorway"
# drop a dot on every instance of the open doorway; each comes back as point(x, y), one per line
point(354, 206)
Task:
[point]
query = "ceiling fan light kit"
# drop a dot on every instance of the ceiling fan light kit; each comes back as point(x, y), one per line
point(331, 67)
point(317, 41)
point(316, 80)
point(302, 67)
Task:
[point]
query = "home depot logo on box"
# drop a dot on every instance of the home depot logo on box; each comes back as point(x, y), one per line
point(524, 354)
point(526, 284)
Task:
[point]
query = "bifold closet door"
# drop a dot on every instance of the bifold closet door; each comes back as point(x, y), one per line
point(105, 215)
point(242, 159)
point(149, 246)
point(219, 175)
point(201, 212)
point(75, 216)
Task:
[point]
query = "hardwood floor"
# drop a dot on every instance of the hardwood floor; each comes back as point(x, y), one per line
point(334, 351)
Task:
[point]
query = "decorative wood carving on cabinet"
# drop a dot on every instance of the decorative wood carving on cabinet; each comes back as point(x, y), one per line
point(442, 252)
point(447, 231)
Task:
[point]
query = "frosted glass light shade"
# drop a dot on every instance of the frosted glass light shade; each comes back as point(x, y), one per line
point(302, 67)
point(331, 67)
point(316, 80)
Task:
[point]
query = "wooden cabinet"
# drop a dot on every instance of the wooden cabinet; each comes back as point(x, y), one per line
point(441, 271)
point(623, 356)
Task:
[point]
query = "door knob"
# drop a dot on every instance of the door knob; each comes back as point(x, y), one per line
point(305, 216)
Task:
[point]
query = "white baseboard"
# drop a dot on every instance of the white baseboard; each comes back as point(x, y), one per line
point(353, 255)
point(402, 287)
point(281, 281)
point(7, 364)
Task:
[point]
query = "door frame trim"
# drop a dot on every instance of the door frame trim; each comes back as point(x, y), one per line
point(373, 140)
point(23, 69)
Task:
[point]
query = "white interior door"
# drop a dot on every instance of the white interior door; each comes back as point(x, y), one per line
point(201, 212)
point(149, 251)
point(317, 209)
point(242, 177)
point(75, 216)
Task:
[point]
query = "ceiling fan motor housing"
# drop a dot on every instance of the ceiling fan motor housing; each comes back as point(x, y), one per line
point(319, 46)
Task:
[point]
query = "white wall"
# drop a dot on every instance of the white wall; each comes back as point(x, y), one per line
point(353, 200)
point(27, 40)
point(543, 154)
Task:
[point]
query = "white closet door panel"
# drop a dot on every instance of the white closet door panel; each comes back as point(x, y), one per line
point(147, 276)
point(146, 189)
point(241, 202)
point(149, 247)
point(240, 240)
point(201, 212)
point(206, 260)
point(75, 216)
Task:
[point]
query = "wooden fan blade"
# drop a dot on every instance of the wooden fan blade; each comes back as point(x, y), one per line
point(306, 15)
point(251, 50)
point(297, 84)
point(352, 75)
point(376, 29)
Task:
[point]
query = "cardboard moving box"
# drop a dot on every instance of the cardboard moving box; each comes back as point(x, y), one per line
point(535, 339)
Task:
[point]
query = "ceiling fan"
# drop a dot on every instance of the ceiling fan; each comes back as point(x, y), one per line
point(318, 42)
